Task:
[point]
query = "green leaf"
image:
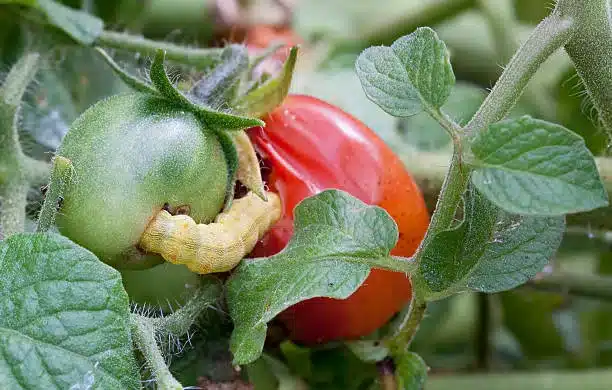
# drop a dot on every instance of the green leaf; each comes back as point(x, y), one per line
point(410, 371)
point(489, 251)
point(411, 75)
point(425, 133)
point(80, 26)
point(131, 81)
point(337, 238)
point(529, 166)
point(63, 317)
point(270, 94)
point(215, 120)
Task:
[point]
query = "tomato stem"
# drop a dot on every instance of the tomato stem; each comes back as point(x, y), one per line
point(178, 323)
point(590, 49)
point(202, 58)
point(501, 20)
point(143, 334)
point(446, 122)
point(551, 34)
point(17, 171)
point(399, 342)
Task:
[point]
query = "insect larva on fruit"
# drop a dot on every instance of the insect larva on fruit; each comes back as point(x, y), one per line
point(217, 246)
point(248, 172)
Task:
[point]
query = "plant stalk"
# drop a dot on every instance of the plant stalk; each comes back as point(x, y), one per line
point(201, 58)
point(551, 34)
point(12, 211)
point(399, 342)
point(502, 24)
point(178, 323)
point(16, 169)
point(590, 49)
point(143, 335)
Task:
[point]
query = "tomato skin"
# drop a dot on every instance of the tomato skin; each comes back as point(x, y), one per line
point(311, 146)
point(131, 154)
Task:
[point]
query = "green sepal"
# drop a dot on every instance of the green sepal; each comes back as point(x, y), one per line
point(214, 120)
point(271, 93)
point(131, 81)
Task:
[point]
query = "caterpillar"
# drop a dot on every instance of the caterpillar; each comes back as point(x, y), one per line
point(214, 247)
point(248, 172)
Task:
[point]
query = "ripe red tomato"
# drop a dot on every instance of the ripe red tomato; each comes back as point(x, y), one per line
point(309, 146)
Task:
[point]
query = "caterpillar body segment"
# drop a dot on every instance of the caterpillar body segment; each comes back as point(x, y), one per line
point(214, 247)
point(248, 173)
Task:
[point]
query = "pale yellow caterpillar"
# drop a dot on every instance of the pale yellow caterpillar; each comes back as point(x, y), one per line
point(214, 247)
point(248, 172)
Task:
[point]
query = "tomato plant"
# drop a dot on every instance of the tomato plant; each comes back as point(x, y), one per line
point(308, 146)
point(156, 171)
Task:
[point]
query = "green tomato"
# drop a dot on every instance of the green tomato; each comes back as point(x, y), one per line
point(133, 153)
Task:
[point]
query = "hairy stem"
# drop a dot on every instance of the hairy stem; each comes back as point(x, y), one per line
point(399, 342)
point(502, 24)
point(452, 188)
point(202, 58)
point(143, 335)
point(12, 213)
point(16, 169)
point(61, 175)
point(551, 34)
point(590, 48)
point(178, 323)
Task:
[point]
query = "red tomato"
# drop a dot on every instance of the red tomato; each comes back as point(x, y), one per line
point(309, 146)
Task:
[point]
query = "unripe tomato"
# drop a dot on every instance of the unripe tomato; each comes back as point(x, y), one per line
point(309, 146)
point(131, 154)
